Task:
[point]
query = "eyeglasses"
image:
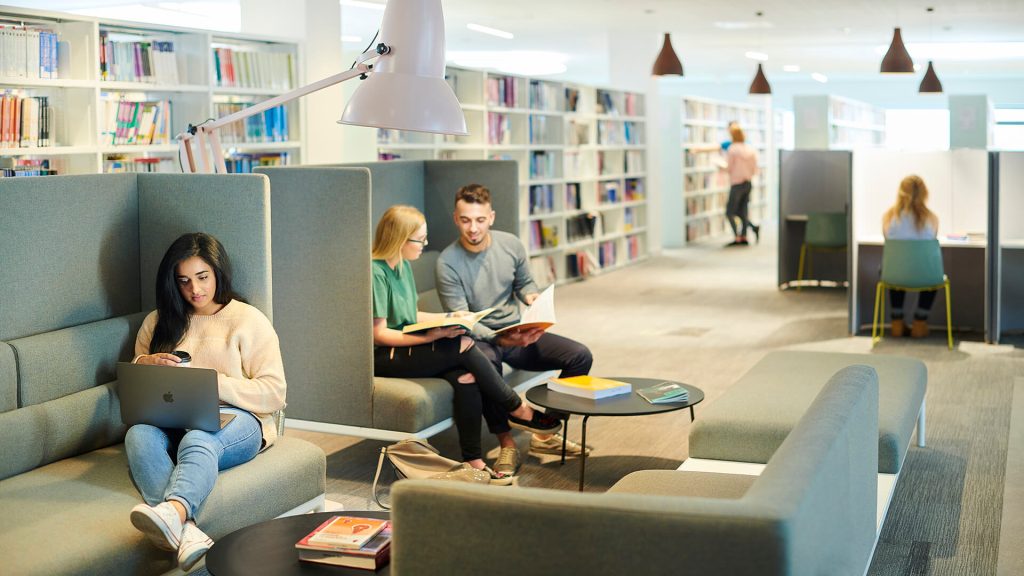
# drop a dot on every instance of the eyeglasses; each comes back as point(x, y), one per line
point(421, 242)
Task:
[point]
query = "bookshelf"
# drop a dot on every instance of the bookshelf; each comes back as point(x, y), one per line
point(116, 93)
point(582, 157)
point(826, 122)
point(705, 182)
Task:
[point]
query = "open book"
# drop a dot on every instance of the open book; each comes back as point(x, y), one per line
point(466, 321)
point(540, 314)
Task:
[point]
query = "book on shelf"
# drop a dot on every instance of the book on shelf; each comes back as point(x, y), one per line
point(371, 556)
point(467, 321)
point(592, 387)
point(342, 533)
point(539, 315)
point(664, 393)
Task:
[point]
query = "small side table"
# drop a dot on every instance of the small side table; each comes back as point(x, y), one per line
point(269, 548)
point(631, 404)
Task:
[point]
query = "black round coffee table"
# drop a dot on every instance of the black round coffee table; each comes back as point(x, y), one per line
point(631, 404)
point(269, 548)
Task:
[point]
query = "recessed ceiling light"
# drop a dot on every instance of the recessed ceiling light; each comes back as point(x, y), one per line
point(819, 77)
point(791, 68)
point(491, 31)
point(363, 4)
point(759, 56)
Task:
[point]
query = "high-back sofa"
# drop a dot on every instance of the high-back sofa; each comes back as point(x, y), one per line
point(324, 218)
point(79, 258)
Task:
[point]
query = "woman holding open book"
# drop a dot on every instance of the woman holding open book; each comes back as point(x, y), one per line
point(443, 351)
point(198, 312)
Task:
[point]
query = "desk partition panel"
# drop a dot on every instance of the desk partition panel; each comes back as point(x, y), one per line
point(1008, 266)
point(958, 186)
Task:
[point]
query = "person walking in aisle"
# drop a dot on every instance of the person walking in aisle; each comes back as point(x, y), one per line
point(443, 352)
point(487, 268)
point(742, 167)
point(198, 312)
point(910, 219)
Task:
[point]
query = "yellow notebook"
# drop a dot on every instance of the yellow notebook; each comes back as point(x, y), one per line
point(592, 387)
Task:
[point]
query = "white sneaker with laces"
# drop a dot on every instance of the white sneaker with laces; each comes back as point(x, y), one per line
point(160, 523)
point(194, 545)
point(553, 445)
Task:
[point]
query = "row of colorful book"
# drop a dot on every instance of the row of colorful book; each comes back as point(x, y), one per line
point(13, 167)
point(137, 61)
point(25, 121)
point(244, 163)
point(27, 52)
point(544, 129)
point(543, 164)
point(118, 163)
point(248, 69)
point(542, 198)
point(582, 227)
point(498, 131)
point(350, 541)
point(502, 91)
point(270, 126)
point(581, 264)
point(136, 122)
point(542, 235)
point(612, 132)
point(543, 95)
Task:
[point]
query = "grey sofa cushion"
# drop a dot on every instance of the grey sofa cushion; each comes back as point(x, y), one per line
point(54, 364)
point(44, 433)
point(410, 404)
point(680, 483)
point(754, 416)
point(8, 379)
point(80, 506)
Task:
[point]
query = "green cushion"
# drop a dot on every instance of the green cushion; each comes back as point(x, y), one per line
point(680, 483)
point(754, 416)
point(8, 378)
point(410, 404)
point(79, 508)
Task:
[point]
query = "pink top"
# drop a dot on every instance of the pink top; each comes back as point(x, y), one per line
point(742, 163)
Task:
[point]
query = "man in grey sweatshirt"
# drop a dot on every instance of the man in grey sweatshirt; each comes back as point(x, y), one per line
point(487, 268)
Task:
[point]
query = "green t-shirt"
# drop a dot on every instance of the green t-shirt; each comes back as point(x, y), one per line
point(394, 294)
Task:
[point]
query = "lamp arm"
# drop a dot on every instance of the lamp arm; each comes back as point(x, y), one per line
point(210, 129)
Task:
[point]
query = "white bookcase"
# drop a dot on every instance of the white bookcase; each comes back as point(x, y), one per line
point(86, 97)
point(582, 159)
point(825, 122)
point(705, 182)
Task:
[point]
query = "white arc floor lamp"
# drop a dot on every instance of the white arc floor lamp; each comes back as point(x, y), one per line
point(404, 90)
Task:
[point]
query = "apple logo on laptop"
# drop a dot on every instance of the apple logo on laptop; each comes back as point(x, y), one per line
point(168, 397)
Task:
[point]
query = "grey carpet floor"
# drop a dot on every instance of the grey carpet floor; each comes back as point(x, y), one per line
point(705, 315)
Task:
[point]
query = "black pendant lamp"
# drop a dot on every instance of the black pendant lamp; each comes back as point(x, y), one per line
point(930, 83)
point(897, 60)
point(760, 84)
point(668, 63)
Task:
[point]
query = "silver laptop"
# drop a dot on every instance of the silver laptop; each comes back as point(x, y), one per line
point(170, 397)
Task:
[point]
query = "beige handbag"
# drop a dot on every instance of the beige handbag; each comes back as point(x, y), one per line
point(416, 459)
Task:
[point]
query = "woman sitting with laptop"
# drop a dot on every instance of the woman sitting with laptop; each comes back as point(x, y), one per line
point(199, 313)
point(442, 352)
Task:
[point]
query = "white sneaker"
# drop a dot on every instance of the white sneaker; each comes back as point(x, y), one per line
point(194, 544)
point(160, 523)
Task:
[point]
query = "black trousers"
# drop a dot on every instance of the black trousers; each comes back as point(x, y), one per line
point(442, 358)
point(549, 352)
point(925, 299)
point(738, 207)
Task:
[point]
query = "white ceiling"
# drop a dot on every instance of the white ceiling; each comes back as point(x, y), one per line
point(601, 38)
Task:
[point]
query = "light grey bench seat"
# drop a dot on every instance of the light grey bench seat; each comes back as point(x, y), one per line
point(754, 416)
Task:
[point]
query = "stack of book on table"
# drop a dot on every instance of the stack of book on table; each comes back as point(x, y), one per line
point(664, 393)
point(348, 541)
point(589, 387)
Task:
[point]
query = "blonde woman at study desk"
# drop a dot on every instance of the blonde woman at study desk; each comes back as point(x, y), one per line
point(442, 352)
point(910, 219)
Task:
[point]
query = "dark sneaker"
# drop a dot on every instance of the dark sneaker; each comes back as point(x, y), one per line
point(541, 423)
point(757, 233)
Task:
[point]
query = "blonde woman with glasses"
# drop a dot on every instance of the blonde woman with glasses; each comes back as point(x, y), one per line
point(444, 352)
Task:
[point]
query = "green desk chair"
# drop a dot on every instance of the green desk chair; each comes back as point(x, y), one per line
point(911, 266)
point(825, 232)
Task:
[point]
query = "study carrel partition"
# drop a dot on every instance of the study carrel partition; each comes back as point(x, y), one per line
point(323, 219)
point(958, 186)
point(1008, 263)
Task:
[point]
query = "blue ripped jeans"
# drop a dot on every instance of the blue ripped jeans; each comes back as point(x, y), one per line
point(190, 477)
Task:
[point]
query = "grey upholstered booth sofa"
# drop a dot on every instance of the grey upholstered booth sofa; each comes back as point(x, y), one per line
point(79, 257)
point(324, 218)
point(811, 511)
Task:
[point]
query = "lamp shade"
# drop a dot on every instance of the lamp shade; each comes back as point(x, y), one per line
point(667, 63)
point(760, 84)
point(406, 89)
point(897, 60)
point(930, 83)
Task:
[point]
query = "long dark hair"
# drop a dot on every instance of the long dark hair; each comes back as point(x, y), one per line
point(174, 313)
